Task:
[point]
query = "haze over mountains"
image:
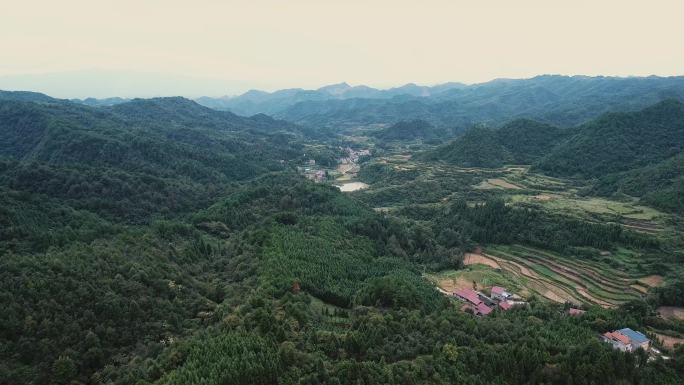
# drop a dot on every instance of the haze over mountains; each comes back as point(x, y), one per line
point(160, 241)
point(562, 100)
point(255, 101)
point(341, 192)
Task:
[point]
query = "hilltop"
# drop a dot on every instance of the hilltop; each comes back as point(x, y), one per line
point(618, 142)
point(521, 141)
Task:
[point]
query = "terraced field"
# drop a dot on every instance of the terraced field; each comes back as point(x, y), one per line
point(527, 272)
point(608, 280)
point(564, 279)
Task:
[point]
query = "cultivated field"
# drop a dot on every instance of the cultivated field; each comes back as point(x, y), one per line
point(668, 342)
point(496, 183)
point(608, 279)
point(529, 271)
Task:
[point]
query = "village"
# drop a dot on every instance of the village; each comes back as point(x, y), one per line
point(343, 175)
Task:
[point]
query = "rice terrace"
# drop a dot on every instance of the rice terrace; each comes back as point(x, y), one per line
point(606, 278)
point(548, 276)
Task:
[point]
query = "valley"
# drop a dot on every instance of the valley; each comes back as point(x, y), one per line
point(607, 279)
point(350, 249)
point(342, 192)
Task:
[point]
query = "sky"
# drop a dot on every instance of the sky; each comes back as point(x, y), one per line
point(101, 48)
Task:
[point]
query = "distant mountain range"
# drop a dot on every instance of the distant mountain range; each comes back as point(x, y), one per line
point(254, 101)
point(553, 99)
point(560, 100)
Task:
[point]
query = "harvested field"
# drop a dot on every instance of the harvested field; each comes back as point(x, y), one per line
point(669, 342)
point(450, 285)
point(652, 280)
point(671, 312)
point(474, 258)
point(513, 266)
point(483, 276)
point(554, 297)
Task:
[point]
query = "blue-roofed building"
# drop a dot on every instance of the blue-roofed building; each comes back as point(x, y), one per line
point(634, 335)
point(627, 340)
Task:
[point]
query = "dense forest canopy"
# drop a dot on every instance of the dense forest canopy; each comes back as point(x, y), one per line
point(158, 241)
point(410, 130)
point(521, 141)
point(620, 141)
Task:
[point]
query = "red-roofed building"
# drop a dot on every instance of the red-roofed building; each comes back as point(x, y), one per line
point(505, 305)
point(468, 295)
point(499, 293)
point(627, 340)
point(618, 340)
point(483, 309)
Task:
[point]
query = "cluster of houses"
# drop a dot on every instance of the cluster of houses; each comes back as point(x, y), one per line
point(480, 304)
point(353, 155)
point(627, 340)
point(315, 175)
point(476, 302)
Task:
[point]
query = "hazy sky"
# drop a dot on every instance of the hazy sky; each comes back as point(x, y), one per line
point(76, 48)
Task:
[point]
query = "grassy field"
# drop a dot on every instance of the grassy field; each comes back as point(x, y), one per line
point(483, 277)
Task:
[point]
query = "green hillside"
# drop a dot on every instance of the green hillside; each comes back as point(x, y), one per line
point(410, 130)
point(518, 142)
point(620, 141)
point(660, 185)
point(160, 242)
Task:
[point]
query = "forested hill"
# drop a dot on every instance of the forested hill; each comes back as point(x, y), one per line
point(521, 141)
point(410, 130)
point(620, 141)
point(634, 153)
point(184, 112)
point(101, 159)
point(660, 185)
point(27, 96)
point(67, 133)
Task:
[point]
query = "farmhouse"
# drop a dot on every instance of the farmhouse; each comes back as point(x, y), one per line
point(468, 295)
point(627, 340)
point(483, 309)
point(473, 301)
point(499, 293)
